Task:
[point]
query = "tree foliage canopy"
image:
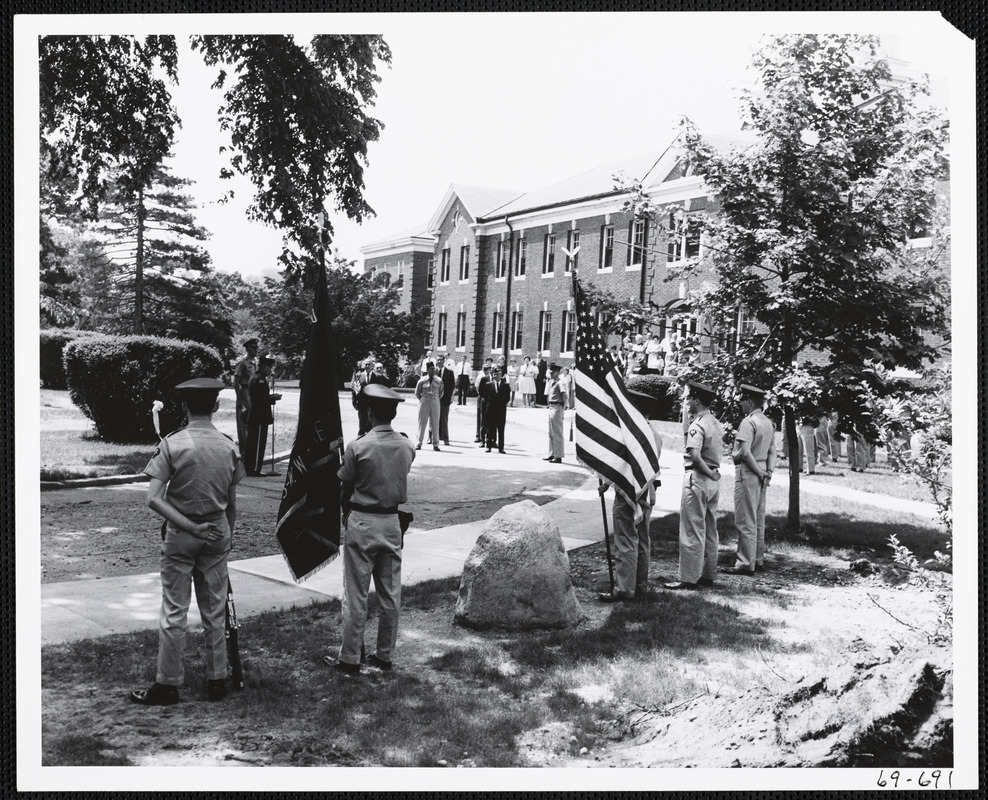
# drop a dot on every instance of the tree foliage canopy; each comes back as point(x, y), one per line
point(816, 213)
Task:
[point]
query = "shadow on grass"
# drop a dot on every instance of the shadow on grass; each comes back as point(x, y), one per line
point(824, 532)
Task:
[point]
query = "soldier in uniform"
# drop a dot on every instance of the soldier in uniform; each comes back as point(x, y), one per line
point(241, 377)
point(374, 482)
point(698, 538)
point(556, 402)
point(632, 546)
point(194, 475)
point(259, 417)
point(429, 391)
point(754, 455)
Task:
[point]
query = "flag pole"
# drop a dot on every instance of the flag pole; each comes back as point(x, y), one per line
point(600, 483)
point(607, 538)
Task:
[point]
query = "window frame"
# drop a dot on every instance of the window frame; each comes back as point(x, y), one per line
point(461, 331)
point(606, 261)
point(464, 263)
point(497, 331)
point(444, 267)
point(549, 256)
point(569, 321)
point(442, 330)
point(521, 259)
point(572, 242)
point(517, 328)
point(545, 331)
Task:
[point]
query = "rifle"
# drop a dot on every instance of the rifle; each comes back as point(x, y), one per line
point(233, 640)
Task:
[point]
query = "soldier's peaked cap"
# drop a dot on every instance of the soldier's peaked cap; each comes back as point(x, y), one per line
point(751, 391)
point(200, 385)
point(700, 387)
point(250, 343)
point(379, 391)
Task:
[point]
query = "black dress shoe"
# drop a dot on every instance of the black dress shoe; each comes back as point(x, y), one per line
point(705, 582)
point(373, 662)
point(547, 458)
point(615, 597)
point(502, 452)
point(487, 450)
point(680, 585)
point(157, 695)
point(350, 670)
point(216, 690)
point(555, 461)
point(737, 571)
point(436, 448)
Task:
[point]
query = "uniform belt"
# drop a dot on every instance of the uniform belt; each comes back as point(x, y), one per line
point(374, 509)
point(554, 403)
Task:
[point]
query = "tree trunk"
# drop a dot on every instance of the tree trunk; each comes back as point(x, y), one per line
point(792, 439)
point(139, 268)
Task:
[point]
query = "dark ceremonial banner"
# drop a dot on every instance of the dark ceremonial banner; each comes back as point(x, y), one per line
point(309, 517)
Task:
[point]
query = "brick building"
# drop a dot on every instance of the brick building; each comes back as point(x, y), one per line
point(492, 266)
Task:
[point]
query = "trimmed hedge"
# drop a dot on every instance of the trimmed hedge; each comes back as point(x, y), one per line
point(116, 379)
point(53, 341)
point(664, 389)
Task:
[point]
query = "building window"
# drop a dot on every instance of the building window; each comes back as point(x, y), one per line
point(549, 258)
point(498, 329)
point(545, 329)
point(431, 279)
point(502, 259)
point(569, 331)
point(464, 262)
point(606, 247)
point(441, 331)
point(521, 259)
point(636, 243)
point(400, 279)
point(461, 330)
point(684, 241)
point(516, 327)
point(444, 268)
point(572, 243)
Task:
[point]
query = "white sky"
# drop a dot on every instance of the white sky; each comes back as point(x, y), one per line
point(512, 101)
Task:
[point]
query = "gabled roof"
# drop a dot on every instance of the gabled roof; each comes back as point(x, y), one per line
point(477, 200)
point(417, 239)
point(419, 231)
point(650, 168)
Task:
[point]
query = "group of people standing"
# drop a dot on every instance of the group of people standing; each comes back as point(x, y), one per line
point(654, 355)
point(820, 443)
point(754, 457)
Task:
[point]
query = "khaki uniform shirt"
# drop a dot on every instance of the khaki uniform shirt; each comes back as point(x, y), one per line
point(376, 465)
point(706, 434)
point(427, 389)
point(758, 431)
point(200, 465)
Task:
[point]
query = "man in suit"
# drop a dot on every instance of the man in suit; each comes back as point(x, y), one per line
point(540, 381)
point(259, 416)
point(449, 385)
point(482, 380)
point(498, 393)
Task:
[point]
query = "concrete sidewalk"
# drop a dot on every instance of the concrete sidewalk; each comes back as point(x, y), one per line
point(73, 610)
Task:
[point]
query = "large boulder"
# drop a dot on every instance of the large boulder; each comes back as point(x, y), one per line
point(517, 575)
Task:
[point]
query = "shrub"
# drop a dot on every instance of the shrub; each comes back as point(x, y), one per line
point(665, 393)
point(116, 379)
point(53, 341)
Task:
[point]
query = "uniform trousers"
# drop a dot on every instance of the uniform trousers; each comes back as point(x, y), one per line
point(556, 430)
point(444, 420)
point(823, 443)
point(257, 440)
point(857, 451)
point(429, 415)
point(372, 548)
point(188, 560)
point(749, 517)
point(698, 537)
point(632, 549)
point(241, 428)
point(807, 447)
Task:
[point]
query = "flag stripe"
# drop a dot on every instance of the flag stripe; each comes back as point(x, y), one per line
point(613, 438)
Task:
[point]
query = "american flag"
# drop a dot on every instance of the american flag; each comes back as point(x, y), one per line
point(613, 438)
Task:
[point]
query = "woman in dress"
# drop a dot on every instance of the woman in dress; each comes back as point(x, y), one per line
point(526, 383)
point(512, 374)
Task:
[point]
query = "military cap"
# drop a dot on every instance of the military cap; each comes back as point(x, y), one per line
point(554, 367)
point(267, 358)
point(747, 390)
point(378, 391)
point(200, 385)
point(701, 392)
point(250, 343)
